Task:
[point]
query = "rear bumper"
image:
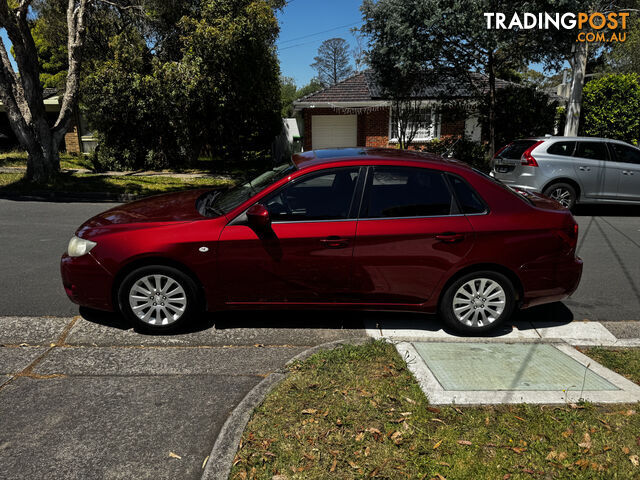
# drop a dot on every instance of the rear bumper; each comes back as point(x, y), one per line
point(551, 285)
point(86, 282)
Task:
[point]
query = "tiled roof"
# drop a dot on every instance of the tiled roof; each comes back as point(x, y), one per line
point(363, 87)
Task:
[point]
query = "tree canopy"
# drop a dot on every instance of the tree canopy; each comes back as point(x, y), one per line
point(332, 62)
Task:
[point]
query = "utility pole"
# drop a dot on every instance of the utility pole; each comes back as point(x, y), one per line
point(578, 72)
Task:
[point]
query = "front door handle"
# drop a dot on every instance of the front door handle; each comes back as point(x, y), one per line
point(450, 237)
point(584, 169)
point(627, 172)
point(334, 241)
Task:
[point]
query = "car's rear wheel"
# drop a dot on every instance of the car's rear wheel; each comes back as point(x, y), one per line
point(477, 302)
point(158, 298)
point(563, 193)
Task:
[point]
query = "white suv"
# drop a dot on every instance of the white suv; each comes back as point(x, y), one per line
point(571, 169)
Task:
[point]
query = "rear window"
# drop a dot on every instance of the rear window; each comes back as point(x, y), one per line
point(592, 150)
point(564, 149)
point(515, 149)
point(468, 199)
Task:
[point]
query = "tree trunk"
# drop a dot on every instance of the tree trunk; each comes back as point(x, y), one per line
point(578, 71)
point(492, 105)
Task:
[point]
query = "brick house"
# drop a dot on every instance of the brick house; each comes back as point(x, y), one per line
point(78, 138)
point(353, 113)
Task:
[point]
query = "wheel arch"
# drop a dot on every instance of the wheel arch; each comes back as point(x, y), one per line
point(477, 267)
point(568, 180)
point(149, 261)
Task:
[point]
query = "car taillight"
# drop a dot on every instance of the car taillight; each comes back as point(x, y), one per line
point(569, 236)
point(527, 158)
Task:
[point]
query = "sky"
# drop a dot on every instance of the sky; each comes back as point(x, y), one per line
point(304, 25)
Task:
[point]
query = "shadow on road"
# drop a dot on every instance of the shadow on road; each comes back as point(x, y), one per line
point(607, 210)
point(338, 320)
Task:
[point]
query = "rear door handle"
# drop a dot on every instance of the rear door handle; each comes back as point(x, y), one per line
point(584, 169)
point(627, 172)
point(334, 241)
point(450, 237)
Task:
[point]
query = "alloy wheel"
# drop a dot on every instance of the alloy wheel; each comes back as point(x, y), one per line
point(479, 302)
point(157, 300)
point(563, 196)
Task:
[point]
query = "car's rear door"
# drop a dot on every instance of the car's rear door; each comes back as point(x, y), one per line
point(410, 233)
point(590, 167)
point(625, 165)
point(306, 255)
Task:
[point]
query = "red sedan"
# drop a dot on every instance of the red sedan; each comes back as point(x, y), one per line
point(351, 228)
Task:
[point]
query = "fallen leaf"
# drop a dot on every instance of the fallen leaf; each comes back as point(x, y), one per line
point(396, 437)
point(567, 433)
point(359, 436)
point(367, 451)
point(338, 422)
point(507, 476)
point(445, 464)
point(377, 434)
point(626, 450)
point(464, 442)
point(353, 464)
point(458, 410)
point(433, 409)
point(309, 411)
point(204, 463)
point(175, 455)
point(486, 421)
point(334, 464)
point(586, 441)
point(606, 448)
point(519, 450)
point(279, 477)
point(438, 420)
point(520, 418)
point(576, 406)
point(437, 444)
point(562, 455)
point(634, 459)
point(582, 463)
point(409, 400)
point(440, 477)
point(552, 454)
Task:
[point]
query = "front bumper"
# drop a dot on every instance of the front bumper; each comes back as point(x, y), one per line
point(86, 282)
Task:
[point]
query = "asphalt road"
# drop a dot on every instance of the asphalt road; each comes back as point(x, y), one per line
point(33, 235)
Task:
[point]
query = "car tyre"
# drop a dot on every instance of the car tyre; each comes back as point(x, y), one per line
point(158, 299)
point(563, 193)
point(478, 302)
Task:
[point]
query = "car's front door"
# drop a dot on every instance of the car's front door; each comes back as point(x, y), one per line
point(410, 233)
point(306, 254)
point(627, 168)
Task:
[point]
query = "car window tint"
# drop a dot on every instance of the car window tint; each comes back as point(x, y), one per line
point(626, 154)
point(592, 150)
point(562, 148)
point(468, 199)
point(515, 149)
point(407, 192)
point(326, 195)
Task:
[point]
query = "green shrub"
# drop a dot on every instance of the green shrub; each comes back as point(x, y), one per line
point(460, 148)
point(611, 107)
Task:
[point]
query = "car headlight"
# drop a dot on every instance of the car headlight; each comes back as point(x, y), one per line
point(79, 246)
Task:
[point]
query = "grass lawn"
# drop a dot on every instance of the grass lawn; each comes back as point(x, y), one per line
point(356, 412)
point(19, 159)
point(82, 182)
point(625, 361)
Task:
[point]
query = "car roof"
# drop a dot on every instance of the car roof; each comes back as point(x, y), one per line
point(560, 137)
point(368, 155)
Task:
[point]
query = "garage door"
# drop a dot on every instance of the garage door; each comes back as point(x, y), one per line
point(333, 131)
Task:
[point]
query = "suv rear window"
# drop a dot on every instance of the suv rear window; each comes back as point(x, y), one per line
point(515, 149)
point(562, 148)
point(592, 150)
point(626, 154)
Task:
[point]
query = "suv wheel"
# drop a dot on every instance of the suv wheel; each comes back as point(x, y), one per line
point(157, 298)
point(477, 302)
point(563, 193)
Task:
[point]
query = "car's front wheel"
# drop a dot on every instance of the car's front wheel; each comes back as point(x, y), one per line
point(563, 193)
point(477, 302)
point(158, 298)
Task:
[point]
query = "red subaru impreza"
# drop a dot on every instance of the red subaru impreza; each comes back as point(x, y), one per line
point(350, 228)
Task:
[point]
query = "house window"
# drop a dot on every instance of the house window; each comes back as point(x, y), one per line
point(428, 130)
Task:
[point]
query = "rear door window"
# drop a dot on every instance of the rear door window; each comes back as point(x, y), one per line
point(394, 192)
point(564, 149)
point(591, 150)
point(626, 154)
point(515, 149)
point(468, 199)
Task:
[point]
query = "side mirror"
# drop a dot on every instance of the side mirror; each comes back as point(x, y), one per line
point(258, 217)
